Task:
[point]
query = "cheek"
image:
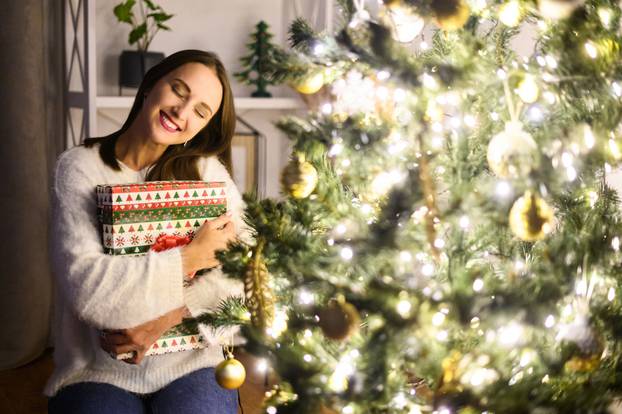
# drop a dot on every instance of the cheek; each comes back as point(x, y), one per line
point(197, 125)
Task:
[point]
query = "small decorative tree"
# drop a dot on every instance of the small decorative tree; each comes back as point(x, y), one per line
point(257, 62)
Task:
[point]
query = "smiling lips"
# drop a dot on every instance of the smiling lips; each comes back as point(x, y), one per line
point(167, 123)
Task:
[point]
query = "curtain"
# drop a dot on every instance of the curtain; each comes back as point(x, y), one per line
point(31, 132)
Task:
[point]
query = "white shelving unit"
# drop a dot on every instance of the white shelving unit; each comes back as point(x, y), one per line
point(123, 102)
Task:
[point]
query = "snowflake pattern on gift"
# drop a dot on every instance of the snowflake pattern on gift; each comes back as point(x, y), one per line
point(108, 241)
point(148, 239)
point(119, 241)
point(135, 239)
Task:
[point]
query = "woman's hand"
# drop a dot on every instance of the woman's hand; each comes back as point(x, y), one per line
point(139, 339)
point(212, 236)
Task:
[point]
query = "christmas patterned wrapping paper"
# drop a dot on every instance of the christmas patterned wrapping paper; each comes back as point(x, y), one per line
point(133, 216)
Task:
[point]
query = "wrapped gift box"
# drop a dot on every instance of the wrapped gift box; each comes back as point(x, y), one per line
point(134, 216)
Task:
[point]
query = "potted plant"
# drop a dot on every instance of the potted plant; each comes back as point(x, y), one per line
point(134, 63)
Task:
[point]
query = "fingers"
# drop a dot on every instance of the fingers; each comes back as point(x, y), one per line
point(220, 221)
point(116, 339)
point(115, 350)
point(136, 359)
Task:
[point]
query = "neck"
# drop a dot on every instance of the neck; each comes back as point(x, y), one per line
point(136, 150)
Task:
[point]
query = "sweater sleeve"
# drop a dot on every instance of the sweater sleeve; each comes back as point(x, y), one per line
point(104, 291)
point(209, 290)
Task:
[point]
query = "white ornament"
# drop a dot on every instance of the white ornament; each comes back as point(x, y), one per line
point(406, 25)
point(579, 332)
point(512, 152)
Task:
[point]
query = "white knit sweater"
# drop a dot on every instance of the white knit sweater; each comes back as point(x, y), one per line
point(98, 291)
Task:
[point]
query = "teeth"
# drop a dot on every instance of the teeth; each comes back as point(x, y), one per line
point(168, 122)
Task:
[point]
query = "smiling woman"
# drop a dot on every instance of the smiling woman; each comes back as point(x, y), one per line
point(180, 127)
point(183, 110)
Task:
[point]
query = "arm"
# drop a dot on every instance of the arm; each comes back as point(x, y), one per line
point(105, 291)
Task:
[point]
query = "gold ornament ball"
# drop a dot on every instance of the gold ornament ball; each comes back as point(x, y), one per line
point(582, 364)
point(299, 178)
point(390, 4)
point(230, 373)
point(512, 153)
point(339, 320)
point(311, 84)
point(531, 218)
point(450, 14)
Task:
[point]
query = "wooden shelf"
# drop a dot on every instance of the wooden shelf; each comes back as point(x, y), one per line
point(125, 102)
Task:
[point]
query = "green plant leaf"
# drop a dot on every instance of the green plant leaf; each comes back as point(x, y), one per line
point(123, 11)
point(160, 16)
point(163, 26)
point(137, 33)
point(150, 5)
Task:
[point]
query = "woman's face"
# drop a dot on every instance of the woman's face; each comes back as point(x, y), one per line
point(181, 104)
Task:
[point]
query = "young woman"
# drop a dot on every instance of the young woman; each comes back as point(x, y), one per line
point(179, 128)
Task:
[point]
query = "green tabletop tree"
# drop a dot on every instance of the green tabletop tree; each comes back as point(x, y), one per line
point(256, 63)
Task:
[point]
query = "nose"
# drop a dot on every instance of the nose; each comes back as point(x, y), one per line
point(180, 111)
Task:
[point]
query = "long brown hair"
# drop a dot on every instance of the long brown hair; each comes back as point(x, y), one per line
point(179, 162)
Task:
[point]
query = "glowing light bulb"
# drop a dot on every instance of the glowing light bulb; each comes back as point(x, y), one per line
point(346, 253)
point(464, 222)
point(383, 75)
point(510, 335)
point(605, 14)
point(262, 366)
point(614, 149)
point(279, 324)
point(319, 49)
point(611, 294)
point(478, 285)
point(438, 319)
point(427, 269)
point(528, 90)
point(550, 61)
point(510, 13)
point(615, 243)
point(403, 308)
point(549, 322)
point(591, 50)
point(306, 297)
point(503, 189)
point(470, 121)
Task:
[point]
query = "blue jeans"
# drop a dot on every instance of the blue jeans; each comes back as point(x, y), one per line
point(196, 392)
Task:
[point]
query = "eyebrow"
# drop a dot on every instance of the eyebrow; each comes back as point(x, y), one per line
point(188, 90)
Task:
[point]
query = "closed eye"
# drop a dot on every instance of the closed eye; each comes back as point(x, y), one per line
point(177, 90)
point(200, 114)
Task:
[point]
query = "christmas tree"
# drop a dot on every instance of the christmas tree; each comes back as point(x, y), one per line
point(449, 242)
point(257, 62)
